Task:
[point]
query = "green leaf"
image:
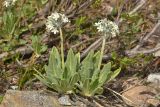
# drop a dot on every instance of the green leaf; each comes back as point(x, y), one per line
point(98, 90)
point(71, 62)
point(22, 42)
point(37, 45)
point(96, 59)
point(54, 65)
point(80, 21)
point(87, 66)
point(86, 85)
point(115, 73)
point(66, 74)
point(43, 48)
point(114, 55)
point(64, 85)
point(93, 86)
point(79, 87)
point(74, 79)
point(52, 79)
point(95, 74)
point(104, 74)
point(43, 80)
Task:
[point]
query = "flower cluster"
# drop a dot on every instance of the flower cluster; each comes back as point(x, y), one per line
point(55, 21)
point(107, 27)
point(8, 3)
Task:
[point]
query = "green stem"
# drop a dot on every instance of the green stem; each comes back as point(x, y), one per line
point(102, 51)
point(62, 53)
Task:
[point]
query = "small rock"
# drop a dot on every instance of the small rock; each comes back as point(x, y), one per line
point(14, 87)
point(154, 78)
point(140, 96)
point(15, 98)
point(65, 100)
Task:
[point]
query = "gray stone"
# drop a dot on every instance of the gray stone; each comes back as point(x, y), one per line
point(15, 98)
point(154, 78)
point(64, 100)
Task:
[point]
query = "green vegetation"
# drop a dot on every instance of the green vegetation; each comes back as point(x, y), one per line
point(60, 79)
point(85, 75)
point(37, 46)
point(1, 98)
point(91, 78)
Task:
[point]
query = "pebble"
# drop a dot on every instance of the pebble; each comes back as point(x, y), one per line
point(154, 78)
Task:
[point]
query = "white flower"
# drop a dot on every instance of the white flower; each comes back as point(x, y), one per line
point(55, 16)
point(8, 3)
point(55, 31)
point(14, 87)
point(107, 27)
point(64, 19)
point(55, 21)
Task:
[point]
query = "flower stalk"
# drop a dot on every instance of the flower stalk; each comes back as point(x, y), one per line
point(62, 47)
point(102, 51)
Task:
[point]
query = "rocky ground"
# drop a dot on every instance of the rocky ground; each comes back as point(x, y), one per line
point(137, 52)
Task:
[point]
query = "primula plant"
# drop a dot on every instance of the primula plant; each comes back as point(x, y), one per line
point(60, 76)
point(92, 77)
point(70, 76)
point(9, 19)
point(60, 79)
